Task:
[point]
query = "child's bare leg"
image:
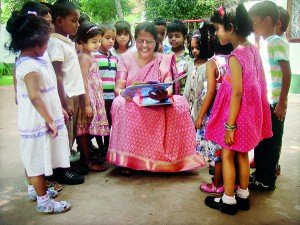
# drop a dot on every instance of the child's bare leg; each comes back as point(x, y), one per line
point(39, 185)
point(28, 178)
point(244, 170)
point(228, 170)
point(218, 174)
point(83, 141)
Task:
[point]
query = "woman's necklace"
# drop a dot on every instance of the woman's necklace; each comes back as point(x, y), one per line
point(142, 62)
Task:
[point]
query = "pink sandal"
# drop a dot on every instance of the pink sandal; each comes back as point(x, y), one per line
point(210, 188)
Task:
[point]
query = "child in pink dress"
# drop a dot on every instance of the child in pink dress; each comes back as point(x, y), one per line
point(240, 116)
point(92, 119)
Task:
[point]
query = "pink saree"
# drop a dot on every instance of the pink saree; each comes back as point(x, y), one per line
point(158, 138)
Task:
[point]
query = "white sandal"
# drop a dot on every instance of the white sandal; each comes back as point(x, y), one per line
point(53, 207)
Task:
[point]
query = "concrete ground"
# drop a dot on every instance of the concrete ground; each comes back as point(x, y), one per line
point(145, 198)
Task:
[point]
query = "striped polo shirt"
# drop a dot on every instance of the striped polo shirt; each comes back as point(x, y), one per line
point(108, 69)
point(272, 50)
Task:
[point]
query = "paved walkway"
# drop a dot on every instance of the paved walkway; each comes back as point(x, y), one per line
point(146, 198)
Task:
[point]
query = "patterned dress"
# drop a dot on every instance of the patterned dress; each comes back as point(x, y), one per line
point(98, 126)
point(158, 138)
point(39, 152)
point(208, 149)
point(254, 118)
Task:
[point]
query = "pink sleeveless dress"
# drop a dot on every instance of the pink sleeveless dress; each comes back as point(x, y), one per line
point(98, 126)
point(253, 121)
point(157, 138)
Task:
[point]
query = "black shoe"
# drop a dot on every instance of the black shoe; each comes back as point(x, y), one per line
point(224, 208)
point(211, 170)
point(79, 168)
point(242, 203)
point(259, 186)
point(66, 176)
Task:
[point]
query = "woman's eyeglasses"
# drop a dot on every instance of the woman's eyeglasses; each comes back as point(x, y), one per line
point(148, 42)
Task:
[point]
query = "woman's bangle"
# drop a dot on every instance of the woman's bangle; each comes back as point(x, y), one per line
point(230, 128)
point(121, 91)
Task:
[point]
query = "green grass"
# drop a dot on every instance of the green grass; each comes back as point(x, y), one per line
point(6, 80)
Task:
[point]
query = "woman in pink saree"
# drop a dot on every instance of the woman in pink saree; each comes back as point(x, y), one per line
point(156, 138)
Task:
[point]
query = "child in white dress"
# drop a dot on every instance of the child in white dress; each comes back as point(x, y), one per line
point(43, 135)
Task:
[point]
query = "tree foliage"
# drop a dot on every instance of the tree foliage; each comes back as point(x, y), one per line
point(180, 9)
point(97, 10)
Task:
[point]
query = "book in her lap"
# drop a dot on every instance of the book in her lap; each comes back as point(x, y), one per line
point(140, 93)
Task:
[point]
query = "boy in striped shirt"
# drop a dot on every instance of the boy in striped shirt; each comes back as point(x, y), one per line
point(108, 69)
point(275, 56)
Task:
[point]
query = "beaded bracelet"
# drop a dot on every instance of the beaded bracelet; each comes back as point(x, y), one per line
point(230, 128)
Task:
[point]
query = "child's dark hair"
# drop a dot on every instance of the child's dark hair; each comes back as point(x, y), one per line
point(38, 8)
point(62, 8)
point(147, 27)
point(83, 17)
point(236, 18)
point(196, 36)
point(27, 31)
point(177, 26)
point(123, 27)
point(28, 7)
point(86, 31)
point(47, 5)
point(265, 9)
point(160, 22)
point(284, 18)
point(107, 26)
point(208, 42)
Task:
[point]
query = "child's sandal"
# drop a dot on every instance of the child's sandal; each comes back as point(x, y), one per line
point(96, 167)
point(53, 184)
point(54, 207)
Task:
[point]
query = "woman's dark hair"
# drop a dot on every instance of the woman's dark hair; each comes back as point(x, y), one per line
point(62, 8)
point(86, 31)
point(147, 27)
point(28, 7)
point(123, 27)
point(177, 26)
point(236, 18)
point(27, 31)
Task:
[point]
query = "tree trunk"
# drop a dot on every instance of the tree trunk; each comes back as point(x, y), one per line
point(119, 9)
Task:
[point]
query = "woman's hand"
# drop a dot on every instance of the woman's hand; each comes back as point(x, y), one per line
point(198, 122)
point(229, 137)
point(53, 129)
point(88, 112)
point(159, 95)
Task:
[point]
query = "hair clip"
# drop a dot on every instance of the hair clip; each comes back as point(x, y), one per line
point(31, 13)
point(92, 28)
point(221, 11)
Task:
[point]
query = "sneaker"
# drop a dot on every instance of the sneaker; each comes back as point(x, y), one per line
point(79, 168)
point(74, 156)
point(66, 176)
point(54, 207)
point(210, 188)
point(32, 196)
point(223, 207)
point(258, 186)
point(242, 203)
